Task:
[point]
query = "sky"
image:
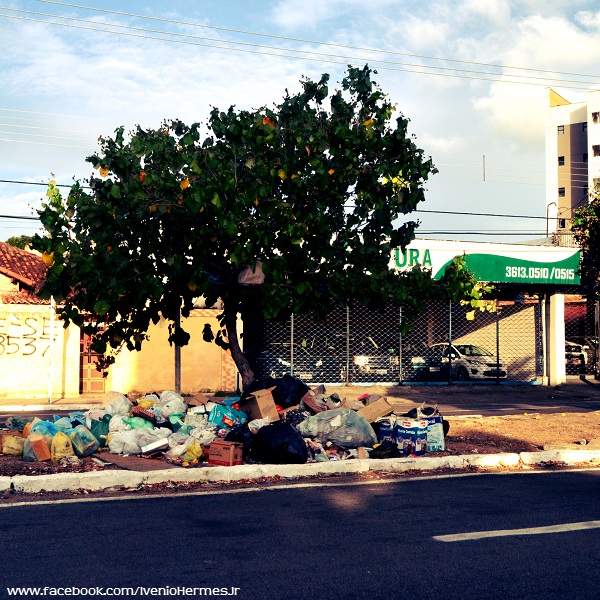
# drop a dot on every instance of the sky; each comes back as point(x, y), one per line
point(471, 75)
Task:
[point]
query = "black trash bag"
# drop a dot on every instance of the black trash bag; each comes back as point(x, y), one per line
point(242, 434)
point(289, 391)
point(278, 444)
point(259, 384)
point(387, 449)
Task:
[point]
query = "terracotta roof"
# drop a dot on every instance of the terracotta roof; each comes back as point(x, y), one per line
point(23, 266)
point(25, 269)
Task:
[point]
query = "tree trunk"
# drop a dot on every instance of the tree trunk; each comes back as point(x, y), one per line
point(239, 358)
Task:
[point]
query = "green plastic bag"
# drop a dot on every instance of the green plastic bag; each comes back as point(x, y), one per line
point(138, 423)
point(100, 428)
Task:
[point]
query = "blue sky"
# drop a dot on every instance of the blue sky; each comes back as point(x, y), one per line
point(63, 86)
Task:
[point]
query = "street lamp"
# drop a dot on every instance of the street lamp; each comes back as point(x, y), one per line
point(547, 207)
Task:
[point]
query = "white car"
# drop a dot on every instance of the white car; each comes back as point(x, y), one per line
point(470, 362)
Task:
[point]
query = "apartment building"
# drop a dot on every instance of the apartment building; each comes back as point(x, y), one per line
point(572, 159)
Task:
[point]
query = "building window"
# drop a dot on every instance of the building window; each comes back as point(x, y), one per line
point(561, 161)
point(596, 150)
point(561, 129)
point(596, 182)
point(596, 117)
point(585, 157)
point(561, 192)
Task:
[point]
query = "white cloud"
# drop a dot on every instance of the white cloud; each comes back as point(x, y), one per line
point(496, 11)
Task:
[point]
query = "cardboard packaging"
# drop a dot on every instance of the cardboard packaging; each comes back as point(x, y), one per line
point(411, 437)
point(376, 410)
point(259, 405)
point(225, 453)
point(197, 400)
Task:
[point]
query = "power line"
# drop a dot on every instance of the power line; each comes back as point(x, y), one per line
point(380, 64)
point(439, 212)
point(305, 41)
point(558, 81)
point(19, 217)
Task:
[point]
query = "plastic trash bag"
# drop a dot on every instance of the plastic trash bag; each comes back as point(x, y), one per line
point(149, 436)
point(138, 423)
point(116, 424)
point(12, 445)
point(341, 426)
point(125, 442)
point(100, 428)
point(17, 423)
point(120, 405)
point(256, 424)
point(289, 391)
point(63, 423)
point(278, 444)
point(61, 447)
point(45, 428)
point(177, 445)
point(83, 440)
point(242, 434)
point(148, 400)
point(171, 403)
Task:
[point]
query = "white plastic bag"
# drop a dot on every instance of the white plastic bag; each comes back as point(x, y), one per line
point(126, 442)
point(171, 403)
point(117, 424)
point(119, 406)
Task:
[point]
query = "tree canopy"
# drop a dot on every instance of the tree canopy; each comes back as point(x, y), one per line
point(20, 241)
point(586, 228)
point(307, 193)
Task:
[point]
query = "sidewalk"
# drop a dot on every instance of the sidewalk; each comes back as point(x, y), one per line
point(135, 472)
point(446, 396)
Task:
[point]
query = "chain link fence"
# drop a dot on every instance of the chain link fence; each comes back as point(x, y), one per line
point(358, 346)
point(581, 335)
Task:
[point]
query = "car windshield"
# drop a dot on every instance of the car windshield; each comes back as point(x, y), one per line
point(470, 350)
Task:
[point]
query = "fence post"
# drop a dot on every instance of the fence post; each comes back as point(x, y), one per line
point(497, 343)
point(400, 378)
point(450, 341)
point(292, 345)
point(347, 382)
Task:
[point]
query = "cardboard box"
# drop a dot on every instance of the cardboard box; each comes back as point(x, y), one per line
point(225, 453)
point(259, 405)
point(197, 400)
point(379, 408)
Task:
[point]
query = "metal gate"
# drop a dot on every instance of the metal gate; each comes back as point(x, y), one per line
point(354, 345)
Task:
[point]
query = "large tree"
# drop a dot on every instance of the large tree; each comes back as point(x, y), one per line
point(586, 228)
point(307, 193)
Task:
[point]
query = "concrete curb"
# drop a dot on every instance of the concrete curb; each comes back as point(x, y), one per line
point(130, 480)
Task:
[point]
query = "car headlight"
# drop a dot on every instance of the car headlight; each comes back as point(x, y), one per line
point(361, 360)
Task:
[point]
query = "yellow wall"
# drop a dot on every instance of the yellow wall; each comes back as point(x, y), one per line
point(204, 366)
point(28, 356)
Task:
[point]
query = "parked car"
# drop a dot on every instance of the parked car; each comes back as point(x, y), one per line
point(575, 358)
point(589, 346)
point(422, 363)
point(375, 359)
point(470, 362)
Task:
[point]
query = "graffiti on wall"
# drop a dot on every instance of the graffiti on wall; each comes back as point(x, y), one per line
point(25, 334)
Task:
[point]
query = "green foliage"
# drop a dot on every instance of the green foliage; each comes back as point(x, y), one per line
point(586, 228)
point(20, 241)
point(312, 191)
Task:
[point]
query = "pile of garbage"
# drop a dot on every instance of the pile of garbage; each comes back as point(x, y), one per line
point(277, 421)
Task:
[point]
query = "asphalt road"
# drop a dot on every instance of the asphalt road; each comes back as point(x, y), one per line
point(370, 541)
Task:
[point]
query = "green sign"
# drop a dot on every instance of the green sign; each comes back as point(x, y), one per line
point(495, 263)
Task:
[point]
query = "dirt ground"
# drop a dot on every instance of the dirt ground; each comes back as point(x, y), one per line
point(528, 432)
